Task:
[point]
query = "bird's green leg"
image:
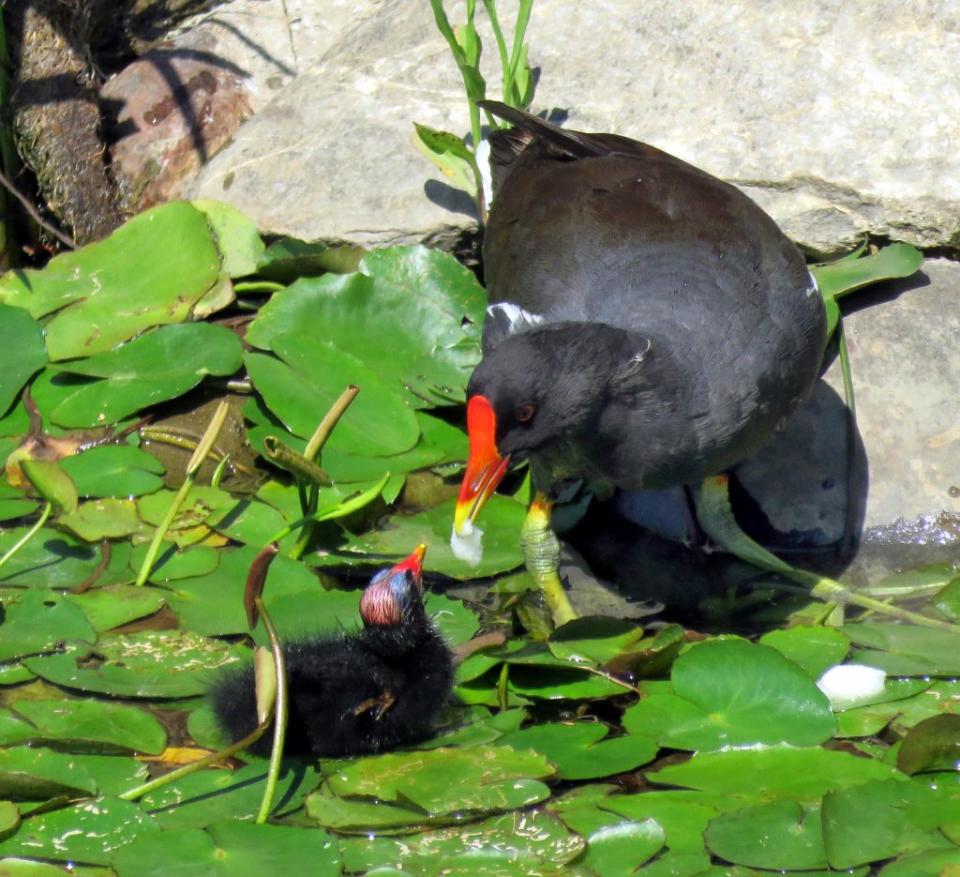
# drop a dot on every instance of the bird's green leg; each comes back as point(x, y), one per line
point(541, 553)
point(716, 518)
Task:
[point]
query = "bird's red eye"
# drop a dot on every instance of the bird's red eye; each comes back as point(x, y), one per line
point(525, 412)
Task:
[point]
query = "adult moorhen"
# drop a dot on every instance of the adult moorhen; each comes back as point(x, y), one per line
point(355, 693)
point(650, 325)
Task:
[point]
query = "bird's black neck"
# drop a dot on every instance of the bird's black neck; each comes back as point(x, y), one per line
point(397, 641)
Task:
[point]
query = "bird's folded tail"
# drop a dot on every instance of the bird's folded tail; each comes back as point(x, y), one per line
point(569, 143)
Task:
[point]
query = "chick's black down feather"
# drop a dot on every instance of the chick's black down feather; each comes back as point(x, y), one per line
point(349, 694)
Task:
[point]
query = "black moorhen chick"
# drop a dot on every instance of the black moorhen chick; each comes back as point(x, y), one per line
point(355, 693)
point(650, 326)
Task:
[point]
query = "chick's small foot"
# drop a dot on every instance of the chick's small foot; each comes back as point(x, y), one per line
point(378, 705)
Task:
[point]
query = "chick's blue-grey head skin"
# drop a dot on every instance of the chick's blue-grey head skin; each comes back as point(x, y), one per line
point(394, 595)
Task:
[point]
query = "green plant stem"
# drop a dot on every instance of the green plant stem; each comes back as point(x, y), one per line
point(491, 7)
point(187, 769)
point(26, 537)
point(279, 713)
point(716, 518)
point(309, 497)
point(203, 448)
point(258, 286)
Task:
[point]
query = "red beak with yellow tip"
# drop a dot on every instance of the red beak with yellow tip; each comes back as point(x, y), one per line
point(414, 563)
point(485, 467)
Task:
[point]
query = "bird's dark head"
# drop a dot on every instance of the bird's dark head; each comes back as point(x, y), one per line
point(395, 595)
point(533, 392)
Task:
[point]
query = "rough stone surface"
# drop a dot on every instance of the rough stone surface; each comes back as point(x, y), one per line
point(271, 41)
point(175, 110)
point(332, 157)
point(905, 480)
point(838, 118)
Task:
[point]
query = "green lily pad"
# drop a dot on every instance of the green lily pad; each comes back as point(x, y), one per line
point(202, 503)
point(109, 607)
point(231, 849)
point(933, 744)
point(33, 773)
point(683, 815)
point(773, 772)
point(111, 726)
point(13, 730)
point(905, 649)
point(150, 271)
point(212, 604)
point(209, 796)
point(881, 819)
point(11, 509)
point(595, 639)
point(439, 443)
point(52, 559)
point(356, 814)
point(155, 367)
point(579, 750)
point(174, 563)
point(88, 832)
point(149, 664)
point(22, 352)
point(309, 377)
point(933, 863)
point(816, 649)
point(98, 519)
point(443, 781)
point(746, 837)
point(528, 841)
point(730, 693)
point(36, 621)
point(288, 259)
point(411, 315)
point(114, 470)
point(240, 245)
point(502, 519)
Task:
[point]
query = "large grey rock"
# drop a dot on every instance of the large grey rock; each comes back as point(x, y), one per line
point(834, 116)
